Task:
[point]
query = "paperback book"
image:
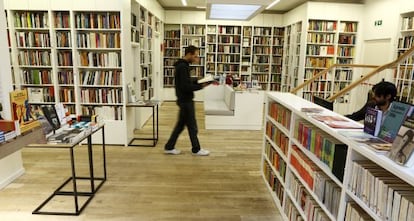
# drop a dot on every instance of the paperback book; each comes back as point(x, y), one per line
point(376, 144)
point(393, 121)
point(372, 121)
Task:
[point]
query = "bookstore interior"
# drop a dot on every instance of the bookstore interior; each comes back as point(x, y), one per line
point(280, 81)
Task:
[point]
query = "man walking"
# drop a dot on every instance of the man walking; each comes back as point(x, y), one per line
point(184, 90)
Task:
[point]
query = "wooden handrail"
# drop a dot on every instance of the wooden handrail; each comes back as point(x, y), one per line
point(296, 89)
point(372, 73)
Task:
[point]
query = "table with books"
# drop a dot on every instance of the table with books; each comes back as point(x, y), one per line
point(154, 106)
point(69, 138)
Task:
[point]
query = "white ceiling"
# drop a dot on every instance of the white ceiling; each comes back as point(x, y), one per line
point(282, 6)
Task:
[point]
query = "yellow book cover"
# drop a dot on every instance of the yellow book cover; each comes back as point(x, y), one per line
point(21, 110)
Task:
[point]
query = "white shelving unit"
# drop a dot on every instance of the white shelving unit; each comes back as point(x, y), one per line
point(283, 112)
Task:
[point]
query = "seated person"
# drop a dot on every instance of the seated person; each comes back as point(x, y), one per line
point(383, 94)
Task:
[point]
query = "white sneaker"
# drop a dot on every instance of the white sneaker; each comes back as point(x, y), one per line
point(172, 152)
point(202, 152)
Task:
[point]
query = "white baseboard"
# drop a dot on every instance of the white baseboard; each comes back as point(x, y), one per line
point(11, 178)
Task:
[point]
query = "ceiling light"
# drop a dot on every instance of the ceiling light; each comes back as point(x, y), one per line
point(272, 4)
point(201, 7)
point(184, 2)
point(233, 11)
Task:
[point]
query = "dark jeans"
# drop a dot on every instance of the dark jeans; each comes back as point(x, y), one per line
point(186, 117)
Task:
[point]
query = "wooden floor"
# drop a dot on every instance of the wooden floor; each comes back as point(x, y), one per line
point(146, 185)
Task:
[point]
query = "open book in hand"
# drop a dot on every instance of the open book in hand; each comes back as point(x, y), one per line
point(207, 78)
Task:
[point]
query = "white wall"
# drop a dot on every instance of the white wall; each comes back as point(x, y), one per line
point(5, 71)
point(154, 7)
point(297, 14)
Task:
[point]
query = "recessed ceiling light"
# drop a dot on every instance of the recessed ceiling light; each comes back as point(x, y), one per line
point(272, 4)
point(184, 2)
point(233, 11)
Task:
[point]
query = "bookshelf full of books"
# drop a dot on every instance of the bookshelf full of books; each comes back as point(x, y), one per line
point(403, 76)
point(172, 52)
point(211, 50)
point(277, 59)
point(291, 56)
point(315, 172)
point(261, 55)
point(228, 50)
point(33, 49)
point(246, 56)
point(195, 35)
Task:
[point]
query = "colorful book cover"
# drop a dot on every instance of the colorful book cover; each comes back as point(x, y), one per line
point(21, 110)
point(372, 121)
point(393, 121)
point(403, 146)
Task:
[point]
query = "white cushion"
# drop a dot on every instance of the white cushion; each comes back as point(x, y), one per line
point(217, 107)
point(229, 97)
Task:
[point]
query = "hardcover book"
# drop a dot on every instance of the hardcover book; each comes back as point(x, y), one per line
point(393, 121)
point(403, 145)
point(372, 121)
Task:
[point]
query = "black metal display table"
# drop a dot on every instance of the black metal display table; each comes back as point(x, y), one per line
point(91, 179)
point(154, 138)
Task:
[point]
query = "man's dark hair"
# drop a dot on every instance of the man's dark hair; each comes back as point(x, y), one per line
point(191, 49)
point(385, 88)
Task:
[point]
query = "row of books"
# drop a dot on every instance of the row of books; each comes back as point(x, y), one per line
point(169, 72)
point(275, 78)
point(327, 192)
point(100, 59)
point(387, 196)
point(280, 114)
point(7, 136)
point(260, 69)
point(35, 76)
point(104, 112)
point(261, 59)
point(320, 50)
point(277, 61)
point(170, 61)
point(291, 211)
point(407, 23)
point(326, 148)
point(172, 43)
point(172, 53)
point(229, 39)
point(276, 160)
point(34, 58)
point(320, 38)
point(101, 96)
point(348, 27)
point(274, 183)
point(247, 51)
point(104, 20)
point(227, 49)
point(260, 31)
point(195, 41)
point(277, 51)
point(65, 77)
point(278, 31)
point(172, 34)
point(320, 86)
point(32, 39)
point(319, 62)
point(41, 94)
point(62, 20)
point(355, 212)
point(228, 67)
point(278, 137)
point(135, 36)
point(63, 39)
point(197, 71)
point(343, 75)
point(262, 50)
point(211, 39)
point(26, 19)
point(169, 81)
point(347, 39)
point(309, 206)
point(405, 42)
point(262, 41)
point(276, 68)
point(211, 58)
point(234, 30)
point(194, 29)
point(278, 41)
point(64, 58)
point(67, 95)
point(262, 77)
point(101, 77)
point(346, 51)
point(344, 60)
point(98, 40)
point(315, 25)
point(232, 58)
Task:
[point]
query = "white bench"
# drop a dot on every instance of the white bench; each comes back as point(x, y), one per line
point(225, 108)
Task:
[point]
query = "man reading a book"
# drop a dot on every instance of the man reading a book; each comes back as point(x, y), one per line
point(184, 89)
point(383, 94)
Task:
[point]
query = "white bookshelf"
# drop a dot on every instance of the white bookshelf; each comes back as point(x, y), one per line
point(294, 181)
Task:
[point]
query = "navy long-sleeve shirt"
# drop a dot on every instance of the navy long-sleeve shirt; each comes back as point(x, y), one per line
point(184, 85)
